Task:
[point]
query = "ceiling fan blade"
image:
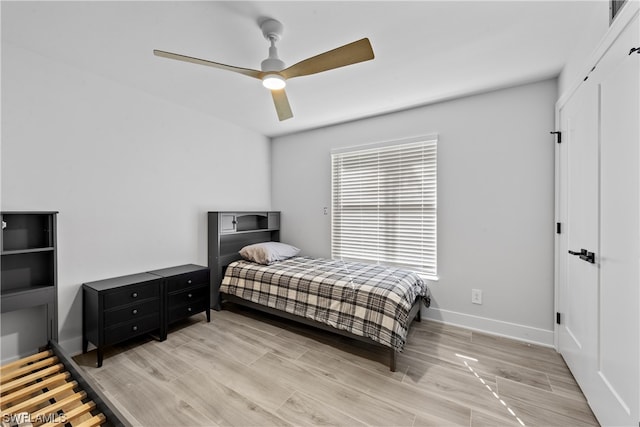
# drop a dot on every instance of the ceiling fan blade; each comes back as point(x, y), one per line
point(282, 104)
point(348, 54)
point(246, 71)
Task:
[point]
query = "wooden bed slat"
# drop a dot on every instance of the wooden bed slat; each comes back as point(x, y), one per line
point(50, 388)
point(74, 399)
point(38, 386)
point(21, 382)
point(69, 416)
point(84, 409)
point(29, 404)
point(15, 373)
point(20, 362)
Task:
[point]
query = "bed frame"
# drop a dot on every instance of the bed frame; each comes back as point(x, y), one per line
point(48, 388)
point(413, 314)
point(228, 232)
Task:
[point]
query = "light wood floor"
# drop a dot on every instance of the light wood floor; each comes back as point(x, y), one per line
point(249, 369)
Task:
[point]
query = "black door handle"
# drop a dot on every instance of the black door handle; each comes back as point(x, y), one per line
point(585, 255)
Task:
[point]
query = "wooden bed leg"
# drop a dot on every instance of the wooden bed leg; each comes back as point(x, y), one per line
point(392, 360)
point(419, 315)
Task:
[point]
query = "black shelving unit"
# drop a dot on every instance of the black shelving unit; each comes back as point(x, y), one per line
point(29, 275)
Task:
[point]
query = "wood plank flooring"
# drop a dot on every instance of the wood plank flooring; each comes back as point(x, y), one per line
point(250, 369)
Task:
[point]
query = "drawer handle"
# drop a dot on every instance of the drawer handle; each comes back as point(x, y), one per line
point(134, 328)
point(189, 281)
point(189, 309)
point(134, 311)
point(190, 295)
point(134, 295)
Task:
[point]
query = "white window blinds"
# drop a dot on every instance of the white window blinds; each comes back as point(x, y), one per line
point(384, 204)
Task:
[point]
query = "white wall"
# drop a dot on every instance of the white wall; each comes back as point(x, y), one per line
point(495, 201)
point(131, 175)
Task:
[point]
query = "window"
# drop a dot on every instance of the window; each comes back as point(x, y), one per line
point(384, 204)
point(614, 9)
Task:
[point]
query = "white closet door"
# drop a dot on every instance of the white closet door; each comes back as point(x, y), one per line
point(578, 290)
point(599, 202)
point(616, 389)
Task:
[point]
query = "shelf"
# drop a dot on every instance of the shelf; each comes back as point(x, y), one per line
point(17, 299)
point(26, 290)
point(25, 269)
point(251, 222)
point(28, 270)
point(247, 222)
point(257, 230)
point(28, 251)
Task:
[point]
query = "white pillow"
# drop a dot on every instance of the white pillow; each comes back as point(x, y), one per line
point(268, 252)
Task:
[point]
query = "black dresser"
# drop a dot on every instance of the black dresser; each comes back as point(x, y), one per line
point(125, 307)
point(187, 291)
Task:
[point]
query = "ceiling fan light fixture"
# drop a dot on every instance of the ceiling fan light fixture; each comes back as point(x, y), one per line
point(274, 82)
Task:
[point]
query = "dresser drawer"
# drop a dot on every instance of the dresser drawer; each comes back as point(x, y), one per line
point(131, 312)
point(131, 294)
point(183, 311)
point(180, 281)
point(131, 329)
point(188, 296)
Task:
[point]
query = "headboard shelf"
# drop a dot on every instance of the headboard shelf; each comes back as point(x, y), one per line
point(252, 231)
point(230, 231)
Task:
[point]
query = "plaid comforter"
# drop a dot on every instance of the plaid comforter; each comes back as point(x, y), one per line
point(365, 299)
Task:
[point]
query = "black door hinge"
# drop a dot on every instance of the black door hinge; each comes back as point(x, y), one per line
point(558, 318)
point(587, 76)
point(559, 138)
point(558, 228)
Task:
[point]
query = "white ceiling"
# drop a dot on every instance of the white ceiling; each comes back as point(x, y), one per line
point(426, 51)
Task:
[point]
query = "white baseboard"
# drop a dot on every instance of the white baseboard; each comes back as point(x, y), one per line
point(528, 334)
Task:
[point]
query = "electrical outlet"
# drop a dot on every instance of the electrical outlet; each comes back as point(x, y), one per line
point(476, 296)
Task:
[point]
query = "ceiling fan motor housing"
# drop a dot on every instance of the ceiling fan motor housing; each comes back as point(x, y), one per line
point(272, 29)
point(272, 63)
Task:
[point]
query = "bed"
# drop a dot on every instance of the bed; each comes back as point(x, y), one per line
point(368, 302)
point(47, 388)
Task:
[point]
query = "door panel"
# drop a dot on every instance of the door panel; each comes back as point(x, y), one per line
point(616, 394)
point(579, 289)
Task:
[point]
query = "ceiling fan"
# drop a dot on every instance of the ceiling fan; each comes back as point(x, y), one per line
point(273, 72)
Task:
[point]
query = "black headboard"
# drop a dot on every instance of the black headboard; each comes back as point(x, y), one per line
point(228, 232)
